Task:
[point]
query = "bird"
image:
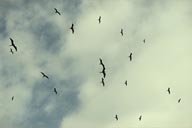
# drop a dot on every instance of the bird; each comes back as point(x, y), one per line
point(169, 91)
point(104, 73)
point(103, 82)
point(140, 118)
point(11, 50)
point(55, 90)
point(12, 44)
point(101, 63)
point(116, 117)
point(12, 98)
point(130, 56)
point(56, 11)
point(99, 19)
point(44, 75)
point(144, 41)
point(179, 100)
point(121, 32)
point(72, 28)
point(126, 82)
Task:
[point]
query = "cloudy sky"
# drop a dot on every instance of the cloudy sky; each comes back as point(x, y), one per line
point(45, 44)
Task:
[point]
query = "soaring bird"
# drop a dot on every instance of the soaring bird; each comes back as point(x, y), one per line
point(116, 117)
point(104, 73)
point(11, 50)
point(101, 63)
point(179, 100)
point(99, 19)
point(72, 28)
point(144, 41)
point(56, 11)
point(55, 90)
point(44, 75)
point(126, 82)
point(12, 98)
point(169, 91)
point(130, 56)
point(140, 118)
point(121, 32)
point(103, 82)
point(13, 44)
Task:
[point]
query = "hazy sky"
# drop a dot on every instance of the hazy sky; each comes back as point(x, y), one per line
point(45, 44)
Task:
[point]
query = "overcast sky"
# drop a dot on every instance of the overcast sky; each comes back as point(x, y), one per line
point(45, 44)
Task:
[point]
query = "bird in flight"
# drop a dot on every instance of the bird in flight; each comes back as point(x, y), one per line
point(44, 75)
point(140, 118)
point(72, 28)
point(116, 117)
point(12, 98)
point(56, 11)
point(55, 90)
point(168, 90)
point(103, 82)
point(13, 44)
point(99, 19)
point(130, 56)
point(121, 32)
point(11, 50)
point(144, 41)
point(179, 100)
point(126, 82)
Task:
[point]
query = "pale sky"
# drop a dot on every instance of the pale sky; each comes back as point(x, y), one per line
point(45, 44)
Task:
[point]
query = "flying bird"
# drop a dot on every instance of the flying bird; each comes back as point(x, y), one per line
point(11, 50)
point(169, 91)
point(144, 41)
point(72, 28)
point(104, 73)
point(55, 90)
point(44, 75)
point(56, 11)
point(12, 98)
point(140, 118)
point(99, 19)
point(179, 100)
point(13, 44)
point(121, 32)
point(116, 117)
point(103, 82)
point(126, 82)
point(130, 56)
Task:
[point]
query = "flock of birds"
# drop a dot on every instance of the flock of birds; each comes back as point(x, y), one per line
point(103, 71)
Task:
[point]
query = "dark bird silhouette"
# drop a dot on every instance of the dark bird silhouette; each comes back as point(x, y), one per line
point(44, 75)
point(116, 117)
point(179, 100)
point(12, 98)
point(104, 73)
point(101, 63)
point(140, 118)
point(11, 50)
point(126, 82)
point(169, 90)
point(130, 56)
point(56, 11)
point(13, 44)
point(72, 28)
point(103, 82)
point(144, 41)
point(55, 90)
point(121, 32)
point(99, 19)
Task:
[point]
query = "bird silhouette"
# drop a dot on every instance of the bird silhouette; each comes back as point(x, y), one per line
point(121, 32)
point(104, 73)
point(56, 11)
point(103, 82)
point(140, 118)
point(12, 98)
point(126, 82)
point(130, 56)
point(11, 50)
point(99, 19)
point(116, 117)
point(144, 41)
point(55, 90)
point(44, 75)
point(179, 100)
point(72, 28)
point(169, 90)
point(13, 44)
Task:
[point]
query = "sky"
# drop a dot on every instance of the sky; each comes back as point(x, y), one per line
point(46, 44)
